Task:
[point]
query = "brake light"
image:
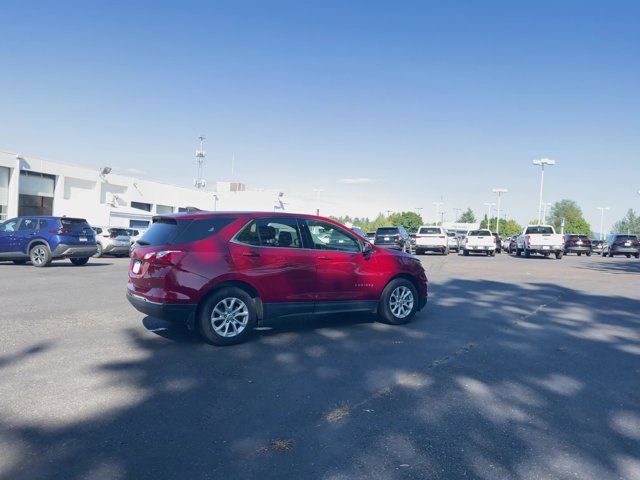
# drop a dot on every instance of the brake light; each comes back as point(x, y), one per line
point(165, 257)
point(494, 239)
point(398, 237)
point(441, 236)
point(528, 238)
point(60, 231)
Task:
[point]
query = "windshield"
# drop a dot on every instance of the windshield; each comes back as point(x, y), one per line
point(479, 233)
point(539, 229)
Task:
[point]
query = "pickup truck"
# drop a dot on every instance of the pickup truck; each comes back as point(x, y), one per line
point(541, 239)
point(481, 241)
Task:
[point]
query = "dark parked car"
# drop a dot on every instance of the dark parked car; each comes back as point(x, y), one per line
point(596, 246)
point(513, 244)
point(619, 244)
point(43, 239)
point(498, 243)
point(396, 238)
point(371, 236)
point(225, 273)
point(577, 244)
point(360, 232)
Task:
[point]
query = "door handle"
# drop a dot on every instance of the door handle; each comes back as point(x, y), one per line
point(251, 254)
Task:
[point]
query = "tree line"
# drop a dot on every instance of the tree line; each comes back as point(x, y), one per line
point(567, 211)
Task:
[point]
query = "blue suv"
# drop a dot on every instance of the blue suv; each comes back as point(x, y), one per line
point(42, 239)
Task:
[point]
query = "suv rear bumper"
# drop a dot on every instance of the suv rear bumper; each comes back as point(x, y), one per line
point(393, 246)
point(582, 249)
point(181, 313)
point(64, 250)
point(621, 250)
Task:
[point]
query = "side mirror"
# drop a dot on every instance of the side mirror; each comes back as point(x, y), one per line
point(367, 249)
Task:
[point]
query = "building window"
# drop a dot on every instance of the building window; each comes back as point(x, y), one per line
point(141, 206)
point(182, 210)
point(164, 209)
point(138, 224)
point(35, 194)
point(4, 192)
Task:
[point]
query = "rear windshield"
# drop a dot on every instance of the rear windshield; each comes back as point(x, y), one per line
point(167, 231)
point(74, 223)
point(451, 234)
point(120, 232)
point(429, 231)
point(539, 229)
point(626, 237)
point(479, 233)
point(387, 231)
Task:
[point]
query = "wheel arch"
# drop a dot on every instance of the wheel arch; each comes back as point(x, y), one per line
point(38, 241)
point(250, 289)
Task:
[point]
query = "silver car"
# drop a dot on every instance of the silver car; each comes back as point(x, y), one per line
point(453, 242)
point(112, 241)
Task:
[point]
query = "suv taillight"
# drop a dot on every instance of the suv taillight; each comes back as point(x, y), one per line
point(61, 231)
point(165, 257)
point(528, 237)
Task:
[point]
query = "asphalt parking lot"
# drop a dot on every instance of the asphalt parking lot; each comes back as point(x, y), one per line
point(517, 368)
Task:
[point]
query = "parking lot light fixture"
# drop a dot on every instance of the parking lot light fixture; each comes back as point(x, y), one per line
point(489, 207)
point(602, 209)
point(542, 162)
point(499, 191)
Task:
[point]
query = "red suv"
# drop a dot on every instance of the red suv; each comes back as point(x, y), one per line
point(224, 273)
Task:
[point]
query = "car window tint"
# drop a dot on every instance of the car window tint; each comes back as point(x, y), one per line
point(479, 233)
point(387, 231)
point(279, 232)
point(540, 230)
point(326, 236)
point(429, 231)
point(28, 224)
point(161, 232)
point(200, 229)
point(9, 226)
point(249, 235)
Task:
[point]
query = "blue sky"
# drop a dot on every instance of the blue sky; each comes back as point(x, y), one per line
point(419, 100)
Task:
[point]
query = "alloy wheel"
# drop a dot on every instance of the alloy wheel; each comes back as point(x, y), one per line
point(401, 302)
point(38, 255)
point(229, 317)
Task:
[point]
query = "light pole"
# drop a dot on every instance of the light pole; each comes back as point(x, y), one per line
point(499, 191)
point(544, 211)
point(542, 162)
point(602, 209)
point(438, 205)
point(457, 210)
point(489, 206)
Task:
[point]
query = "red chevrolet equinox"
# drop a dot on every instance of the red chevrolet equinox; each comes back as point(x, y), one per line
point(224, 273)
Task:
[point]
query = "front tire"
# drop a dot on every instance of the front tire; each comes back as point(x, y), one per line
point(227, 317)
point(79, 261)
point(40, 256)
point(399, 302)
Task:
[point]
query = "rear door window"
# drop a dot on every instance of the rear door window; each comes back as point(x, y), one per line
point(28, 224)
point(272, 232)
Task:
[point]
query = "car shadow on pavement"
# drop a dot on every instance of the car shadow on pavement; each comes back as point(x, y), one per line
point(495, 380)
point(614, 265)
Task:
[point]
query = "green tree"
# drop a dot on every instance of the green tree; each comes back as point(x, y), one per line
point(507, 227)
point(630, 223)
point(409, 220)
point(467, 216)
point(574, 222)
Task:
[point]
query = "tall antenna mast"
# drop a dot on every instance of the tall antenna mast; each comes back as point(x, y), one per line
point(200, 182)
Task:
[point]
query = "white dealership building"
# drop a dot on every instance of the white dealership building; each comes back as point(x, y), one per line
point(33, 186)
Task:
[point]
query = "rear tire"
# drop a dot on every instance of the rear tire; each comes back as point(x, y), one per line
point(98, 253)
point(79, 261)
point(579, 254)
point(465, 253)
point(637, 255)
point(588, 254)
point(558, 255)
point(518, 252)
point(40, 255)
point(398, 302)
point(227, 317)
point(19, 262)
point(527, 253)
point(628, 255)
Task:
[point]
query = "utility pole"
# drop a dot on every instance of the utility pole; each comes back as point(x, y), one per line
point(318, 191)
point(457, 210)
point(544, 211)
point(499, 191)
point(200, 182)
point(438, 205)
point(541, 163)
point(489, 207)
point(602, 209)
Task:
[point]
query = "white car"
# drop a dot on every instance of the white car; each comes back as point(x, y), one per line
point(479, 241)
point(541, 239)
point(432, 239)
point(453, 242)
point(112, 241)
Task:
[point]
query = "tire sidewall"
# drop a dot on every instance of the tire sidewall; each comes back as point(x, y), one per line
point(204, 316)
point(384, 310)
